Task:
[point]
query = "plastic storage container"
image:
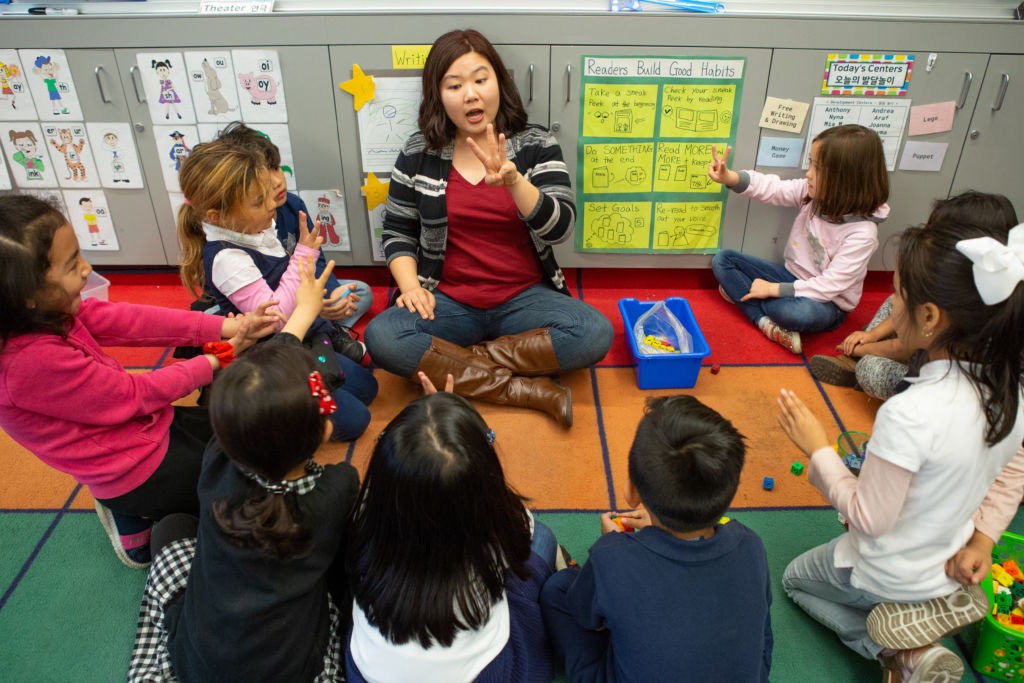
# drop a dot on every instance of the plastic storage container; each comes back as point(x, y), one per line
point(1000, 650)
point(97, 287)
point(664, 370)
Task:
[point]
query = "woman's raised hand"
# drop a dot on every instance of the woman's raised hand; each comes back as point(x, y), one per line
point(718, 169)
point(497, 168)
point(418, 300)
point(309, 238)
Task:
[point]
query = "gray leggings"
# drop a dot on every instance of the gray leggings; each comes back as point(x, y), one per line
point(876, 375)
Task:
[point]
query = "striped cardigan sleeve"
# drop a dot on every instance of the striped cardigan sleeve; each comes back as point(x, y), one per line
point(401, 233)
point(541, 162)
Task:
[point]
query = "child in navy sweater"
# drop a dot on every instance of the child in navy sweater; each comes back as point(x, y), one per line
point(686, 595)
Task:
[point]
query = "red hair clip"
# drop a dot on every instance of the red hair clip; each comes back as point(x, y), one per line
point(223, 350)
point(320, 393)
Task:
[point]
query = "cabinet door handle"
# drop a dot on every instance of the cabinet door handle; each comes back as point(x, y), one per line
point(99, 84)
point(1004, 83)
point(531, 84)
point(135, 84)
point(568, 83)
point(964, 90)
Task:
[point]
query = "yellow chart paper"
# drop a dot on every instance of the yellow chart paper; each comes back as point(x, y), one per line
point(683, 167)
point(697, 111)
point(686, 225)
point(618, 167)
point(619, 110)
point(616, 225)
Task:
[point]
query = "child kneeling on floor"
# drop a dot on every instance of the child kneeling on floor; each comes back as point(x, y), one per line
point(685, 596)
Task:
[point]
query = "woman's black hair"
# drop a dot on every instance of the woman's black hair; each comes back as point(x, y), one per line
point(267, 421)
point(987, 340)
point(27, 227)
point(436, 528)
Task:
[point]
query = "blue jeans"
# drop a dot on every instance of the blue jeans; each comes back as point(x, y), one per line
point(544, 544)
point(362, 290)
point(352, 416)
point(824, 591)
point(586, 654)
point(580, 334)
point(736, 271)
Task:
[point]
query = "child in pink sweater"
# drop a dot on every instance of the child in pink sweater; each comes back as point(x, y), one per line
point(841, 201)
point(75, 407)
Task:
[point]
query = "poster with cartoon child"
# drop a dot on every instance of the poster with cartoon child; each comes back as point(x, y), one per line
point(113, 146)
point(91, 220)
point(51, 85)
point(70, 151)
point(25, 150)
point(173, 145)
point(15, 100)
point(260, 86)
point(329, 207)
point(165, 80)
point(211, 78)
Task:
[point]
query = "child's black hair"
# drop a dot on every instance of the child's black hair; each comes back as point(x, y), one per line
point(987, 340)
point(685, 462)
point(268, 422)
point(436, 528)
point(27, 227)
point(237, 134)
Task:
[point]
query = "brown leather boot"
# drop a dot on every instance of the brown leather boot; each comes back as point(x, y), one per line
point(837, 370)
point(479, 377)
point(530, 353)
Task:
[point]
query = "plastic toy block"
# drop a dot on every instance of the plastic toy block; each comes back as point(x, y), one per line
point(1013, 570)
point(1004, 602)
point(797, 468)
point(619, 523)
point(768, 483)
point(1017, 619)
point(1017, 589)
point(715, 369)
point(1000, 575)
point(1003, 619)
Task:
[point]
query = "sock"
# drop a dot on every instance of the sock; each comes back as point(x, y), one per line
point(134, 533)
point(763, 322)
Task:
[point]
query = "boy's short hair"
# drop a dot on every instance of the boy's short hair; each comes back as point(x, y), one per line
point(237, 134)
point(685, 462)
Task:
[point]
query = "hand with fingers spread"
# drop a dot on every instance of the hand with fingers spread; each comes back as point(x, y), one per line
point(309, 297)
point(498, 169)
point(259, 323)
point(719, 170)
point(310, 238)
point(417, 300)
point(429, 388)
point(799, 423)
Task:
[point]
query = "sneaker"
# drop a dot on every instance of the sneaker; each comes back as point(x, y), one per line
point(784, 338)
point(903, 625)
point(107, 522)
point(837, 370)
point(345, 344)
point(930, 664)
point(721, 292)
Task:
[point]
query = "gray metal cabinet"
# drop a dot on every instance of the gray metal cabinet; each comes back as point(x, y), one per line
point(796, 74)
point(530, 69)
point(103, 99)
point(991, 160)
point(565, 115)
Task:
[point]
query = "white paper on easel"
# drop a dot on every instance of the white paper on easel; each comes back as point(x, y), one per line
point(49, 80)
point(329, 207)
point(15, 98)
point(211, 77)
point(260, 86)
point(26, 154)
point(71, 155)
point(90, 217)
point(165, 80)
point(387, 121)
point(116, 157)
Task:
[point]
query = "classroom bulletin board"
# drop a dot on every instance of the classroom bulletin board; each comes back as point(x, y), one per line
point(647, 125)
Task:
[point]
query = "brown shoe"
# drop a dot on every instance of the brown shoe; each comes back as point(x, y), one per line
point(479, 377)
point(530, 353)
point(837, 370)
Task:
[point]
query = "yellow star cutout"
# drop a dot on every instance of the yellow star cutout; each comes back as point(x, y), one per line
point(360, 85)
point(375, 191)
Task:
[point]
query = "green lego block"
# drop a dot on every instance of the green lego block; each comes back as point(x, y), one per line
point(797, 468)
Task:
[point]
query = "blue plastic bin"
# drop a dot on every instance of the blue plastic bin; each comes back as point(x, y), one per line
point(664, 370)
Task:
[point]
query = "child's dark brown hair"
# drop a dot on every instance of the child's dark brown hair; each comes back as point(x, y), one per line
point(851, 178)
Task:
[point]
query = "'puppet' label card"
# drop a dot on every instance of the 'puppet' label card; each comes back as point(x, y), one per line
point(116, 158)
point(49, 80)
point(91, 220)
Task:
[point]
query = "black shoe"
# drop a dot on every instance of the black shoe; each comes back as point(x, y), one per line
point(345, 344)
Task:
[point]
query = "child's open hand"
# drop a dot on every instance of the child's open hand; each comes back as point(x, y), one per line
point(309, 295)
point(498, 169)
point(341, 303)
point(718, 169)
point(429, 388)
point(799, 423)
point(257, 324)
point(309, 238)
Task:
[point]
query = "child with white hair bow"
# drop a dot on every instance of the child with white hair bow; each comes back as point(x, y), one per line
point(940, 482)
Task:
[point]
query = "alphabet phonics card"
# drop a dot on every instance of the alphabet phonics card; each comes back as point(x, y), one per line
point(25, 151)
point(69, 149)
point(329, 207)
point(91, 220)
point(51, 85)
point(5, 178)
point(53, 196)
point(260, 88)
point(165, 79)
point(173, 145)
point(116, 158)
point(211, 78)
point(15, 99)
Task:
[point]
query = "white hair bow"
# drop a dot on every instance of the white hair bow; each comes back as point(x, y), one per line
point(997, 267)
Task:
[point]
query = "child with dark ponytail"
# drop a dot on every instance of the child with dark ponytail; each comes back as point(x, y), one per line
point(248, 597)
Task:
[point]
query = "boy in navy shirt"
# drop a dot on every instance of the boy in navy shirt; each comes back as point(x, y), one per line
point(685, 598)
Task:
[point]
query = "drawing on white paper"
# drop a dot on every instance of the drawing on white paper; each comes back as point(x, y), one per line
point(25, 149)
point(165, 81)
point(261, 96)
point(91, 220)
point(15, 101)
point(173, 146)
point(5, 178)
point(72, 160)
point(386, 121)
point(329, 207)
point(210, 78)
point(51, 85)
point(114, 151)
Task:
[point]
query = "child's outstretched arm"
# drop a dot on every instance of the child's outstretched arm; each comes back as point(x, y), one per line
point(719, 169)
point(309, 297)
